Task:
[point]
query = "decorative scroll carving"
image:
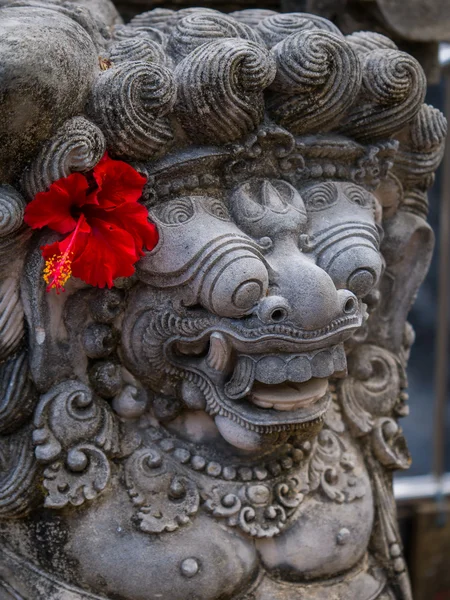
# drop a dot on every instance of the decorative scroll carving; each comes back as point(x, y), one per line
point(165, 500)
point(74, 435)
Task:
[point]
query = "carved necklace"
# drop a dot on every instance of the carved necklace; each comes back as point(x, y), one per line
point(169, 485)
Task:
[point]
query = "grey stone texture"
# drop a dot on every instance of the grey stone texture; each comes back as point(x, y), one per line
point(223, 424)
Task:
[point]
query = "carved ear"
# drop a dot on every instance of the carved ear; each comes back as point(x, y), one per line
point(407, 248)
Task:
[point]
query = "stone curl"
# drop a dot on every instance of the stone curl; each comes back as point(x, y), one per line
point(252, 16)
point(318, 77)
point(157, 18)
point(428, 129)
point(202, 27)
point(141, 47)
point(129, 102)
point(275, 28)
point(392, 92)
point(77, 146)
point(220, 87)
point(366, 41)
point(12, 207)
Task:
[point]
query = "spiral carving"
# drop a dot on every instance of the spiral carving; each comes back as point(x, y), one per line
point(394, 87)
point(317, 79)
point(11, 317)
point(77, 146)
point(186, 12)
point(428, 130)
point(200, 28)
point(124, 32)
point(17, 394)
point(366, 41)
point(12, 207)
point(157, 18)
point(252, 16)
point(220, 88)
point(139, 48)
point(18, 475)
point(129, 102)
point(276, 28)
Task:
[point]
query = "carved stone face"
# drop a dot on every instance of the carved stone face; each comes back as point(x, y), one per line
point(247, 301)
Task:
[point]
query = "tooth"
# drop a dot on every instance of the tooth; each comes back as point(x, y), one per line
point(219, 352)
point(299, 369)
point(322, 364)
point(242, 379)
point(339, 359)
point(271, 369)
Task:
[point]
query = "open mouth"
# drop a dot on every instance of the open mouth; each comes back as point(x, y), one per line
point(264, 393)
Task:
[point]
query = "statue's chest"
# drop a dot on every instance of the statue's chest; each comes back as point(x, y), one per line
point(177, 528)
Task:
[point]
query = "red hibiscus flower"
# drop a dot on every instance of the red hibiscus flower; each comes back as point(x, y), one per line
point(106, 228)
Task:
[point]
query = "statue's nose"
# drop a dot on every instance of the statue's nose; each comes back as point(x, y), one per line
point(305, 295)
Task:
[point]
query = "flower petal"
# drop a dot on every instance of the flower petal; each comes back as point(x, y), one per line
point(133, 218)
point(117, 182)
point(53, 208)
point(109, 253)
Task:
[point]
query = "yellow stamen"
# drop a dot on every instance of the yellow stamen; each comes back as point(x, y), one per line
point(57, 271)
point(58, 268)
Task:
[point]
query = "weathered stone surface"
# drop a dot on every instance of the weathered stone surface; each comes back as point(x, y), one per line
point(223, 424)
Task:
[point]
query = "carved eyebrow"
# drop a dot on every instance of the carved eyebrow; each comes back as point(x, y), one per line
point(320, 196)
point(358, 195)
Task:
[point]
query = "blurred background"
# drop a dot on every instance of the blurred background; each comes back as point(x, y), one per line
point(422, 28)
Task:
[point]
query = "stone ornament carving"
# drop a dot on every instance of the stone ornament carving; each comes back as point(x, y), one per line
point(224, 423)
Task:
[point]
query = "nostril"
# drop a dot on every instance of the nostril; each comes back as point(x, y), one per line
point(279, 314)
point(273, 309)
point(350, 305)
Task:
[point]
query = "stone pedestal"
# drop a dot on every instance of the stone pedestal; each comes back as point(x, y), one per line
point(222, 424)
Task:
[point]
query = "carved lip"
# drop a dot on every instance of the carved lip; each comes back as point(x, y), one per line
point(267, 420)
point(288, 396)
point(276, 338)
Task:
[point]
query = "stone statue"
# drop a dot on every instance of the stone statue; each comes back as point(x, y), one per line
point(222, 424)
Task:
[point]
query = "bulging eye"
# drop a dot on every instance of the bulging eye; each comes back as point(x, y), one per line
point(235, 284)
point(352, 260)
